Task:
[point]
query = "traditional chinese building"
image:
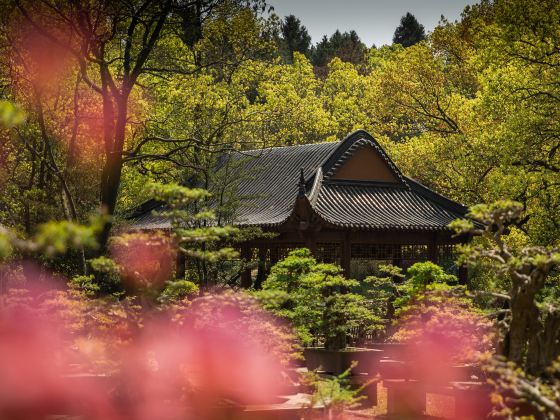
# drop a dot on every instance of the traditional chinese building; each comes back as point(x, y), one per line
point(346, 201)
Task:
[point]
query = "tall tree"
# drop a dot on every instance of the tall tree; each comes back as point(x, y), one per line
point(117, 47)
point(347, 46)
point(90, 32)
point(295, 37)
point(409, 32)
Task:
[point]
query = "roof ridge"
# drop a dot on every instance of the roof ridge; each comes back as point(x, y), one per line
point(286, 147)
point(316, 188)
point(350, 145)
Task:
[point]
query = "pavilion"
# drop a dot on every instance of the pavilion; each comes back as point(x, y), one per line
point(346, 201)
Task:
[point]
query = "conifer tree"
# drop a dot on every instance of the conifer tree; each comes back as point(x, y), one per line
point(295, 37)
point(409, 32)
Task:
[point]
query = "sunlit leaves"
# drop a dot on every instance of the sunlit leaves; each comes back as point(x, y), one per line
point(317, 299)
point(57, 237)
point(6, 247)
point(10, 114)
point(177, 291)
point(176, 195)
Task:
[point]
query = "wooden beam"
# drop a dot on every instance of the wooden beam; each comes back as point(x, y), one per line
point(358, 237)
point(346, 254)
point(463, 274)
point(311, 243)
point(397, 256)
point(273, 256)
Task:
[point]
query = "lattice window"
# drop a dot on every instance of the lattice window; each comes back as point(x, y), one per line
point(283, 250)
point(446, 252)
point(446, 257)
point(329, 252)
point(414, 252)
point(373, 251)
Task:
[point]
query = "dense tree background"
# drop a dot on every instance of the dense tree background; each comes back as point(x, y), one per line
point(472, 112)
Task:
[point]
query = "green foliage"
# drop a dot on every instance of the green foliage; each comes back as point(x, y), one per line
point(196, 231)
point(347, 46)
point(316, 299)
point(421, 276)
point(11, 115)
point(192, 228)
point(104, 265)
point(503, 212)
point(382, 290)
point(107, 274)
point(176, 291)
point(85, 284)
point(6, 247)
point(425, 273)
point(58, 237)
point(52, 238)
point(285, 275)
point(295, 37)
point(334, 394)
point(409, 31)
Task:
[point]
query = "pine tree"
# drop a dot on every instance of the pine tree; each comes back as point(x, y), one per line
point(295, 37)
point(409, 32)
point(347, 46)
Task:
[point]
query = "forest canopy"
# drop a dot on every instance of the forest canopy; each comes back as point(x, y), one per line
point(108, 106)
point(470, 111)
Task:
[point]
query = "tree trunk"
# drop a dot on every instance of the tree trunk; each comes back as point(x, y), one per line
point(522, 309)
point(111, 176)
point(517, 333)
point(544, 346)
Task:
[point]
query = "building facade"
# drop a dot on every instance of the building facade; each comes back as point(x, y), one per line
point(346, 201)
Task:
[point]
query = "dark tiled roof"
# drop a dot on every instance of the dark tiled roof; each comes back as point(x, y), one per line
point(268, 188)
point(382, 207)
point(149, 221)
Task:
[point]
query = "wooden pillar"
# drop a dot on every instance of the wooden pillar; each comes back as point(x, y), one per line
point(311, 243)
point(433, 251)
point(261, 271)
point(463, 274)
point(180, 268)
point(346, 254)
point(273, 255)
point(246, 280)
point(397, 256)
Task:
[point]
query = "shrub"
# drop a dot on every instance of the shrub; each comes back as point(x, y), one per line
point(316, 299)
point(176, 291)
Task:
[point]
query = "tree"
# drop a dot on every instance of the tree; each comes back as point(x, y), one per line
point(95, 29)
point(316, 299)
point(526, 369)
point(115, 47)
point(474, 109)
point(347, 46)
point(295, 37)
point(409, 32)
point(530, 322)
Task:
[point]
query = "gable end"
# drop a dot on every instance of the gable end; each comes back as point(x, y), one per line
point(361, 158)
